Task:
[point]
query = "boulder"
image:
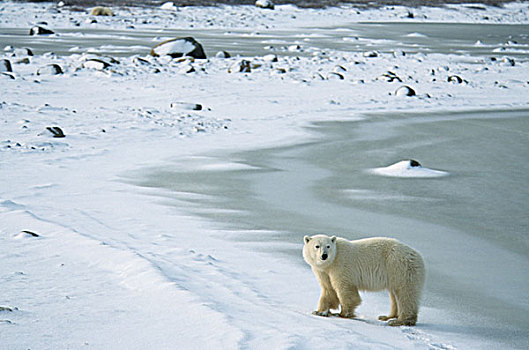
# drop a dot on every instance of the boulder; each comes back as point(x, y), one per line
point(38, 30)
point(186, 106)
point(265, 4)
point(96, 64)
point(390, 77)
point(24, 60)
point(243, 66)
point(455, 79)
point(405, 90)
point(270, 58)
point(5, 66)
point(223, 54)
point(371, 54)
point(335, 75)
point(7, 75)
point(186, 68)
point(21, 52)
point(168, 6)
point(50, 69)
point(179, 47)
point(55, 131)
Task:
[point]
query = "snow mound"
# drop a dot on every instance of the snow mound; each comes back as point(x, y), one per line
point(408, 168)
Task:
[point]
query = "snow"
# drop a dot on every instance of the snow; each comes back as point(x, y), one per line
point(114, 265)
point(405, 169)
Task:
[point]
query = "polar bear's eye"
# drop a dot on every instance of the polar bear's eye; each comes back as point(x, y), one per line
point(317, 247)
point(328, 247)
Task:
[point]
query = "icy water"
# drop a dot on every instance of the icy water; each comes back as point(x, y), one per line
point(471, 226)
point(470, 39)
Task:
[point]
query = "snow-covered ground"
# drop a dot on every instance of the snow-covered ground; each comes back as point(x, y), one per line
point(90, 260)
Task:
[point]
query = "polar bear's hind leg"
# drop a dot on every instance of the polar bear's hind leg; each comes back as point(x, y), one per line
point(393, 313)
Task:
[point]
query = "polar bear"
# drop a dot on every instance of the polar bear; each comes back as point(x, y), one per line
point(344, 267)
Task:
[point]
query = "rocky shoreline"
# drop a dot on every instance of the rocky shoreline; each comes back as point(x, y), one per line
point(299, 3)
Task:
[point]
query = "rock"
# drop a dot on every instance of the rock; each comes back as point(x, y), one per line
point(294, 48)
point(339, 69)
point(179, 47)
point(168, 6)
point(141, 61)
point(96, 64)
point(405, 91)
point(38, 30)
point(265, 4)
point(187, 68)
point(455, 79)
point(186, 106)
point(20, 52)
point(371, 54)
point(187, 59)
point(243, 66)
point(334, 75)
point(5, 66)
point(24, 60)
point(30, 233)
point(50, 69)
point(223, 54)
point(101, 11)
point(414, 163)
point(270, 58)
point(390, 77)
point(55, 131)
point(7, 75)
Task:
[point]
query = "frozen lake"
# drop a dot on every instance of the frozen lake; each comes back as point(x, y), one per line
point(469, 39)
point(471, 226)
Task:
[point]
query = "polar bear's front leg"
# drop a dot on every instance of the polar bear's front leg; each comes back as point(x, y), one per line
point(328, 301)
point(349, 299)
point(328, 298)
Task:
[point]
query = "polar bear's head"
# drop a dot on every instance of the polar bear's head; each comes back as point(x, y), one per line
point(319, 251)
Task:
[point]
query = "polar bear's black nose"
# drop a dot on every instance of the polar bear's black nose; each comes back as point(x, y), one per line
point(324, 256)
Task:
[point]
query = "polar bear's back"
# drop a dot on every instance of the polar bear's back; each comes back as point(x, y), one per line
point(378, 263)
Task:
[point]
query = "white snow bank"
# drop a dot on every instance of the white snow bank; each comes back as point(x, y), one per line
point(73, 291)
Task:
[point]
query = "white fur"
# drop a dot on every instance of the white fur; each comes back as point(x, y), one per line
point(344, 267)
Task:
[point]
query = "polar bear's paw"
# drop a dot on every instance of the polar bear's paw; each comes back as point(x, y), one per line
point(321, 313)
point(347, 314)
point(397, 322)
point(386, 318)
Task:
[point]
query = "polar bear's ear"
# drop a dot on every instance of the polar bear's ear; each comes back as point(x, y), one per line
point(306, 239)
point(333, 239)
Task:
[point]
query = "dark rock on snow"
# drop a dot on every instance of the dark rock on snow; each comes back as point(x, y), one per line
point(405, 91)
point(38, 30)
point(179, 47)
point(50, 69)
point(5, 66)
point(55, 131)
